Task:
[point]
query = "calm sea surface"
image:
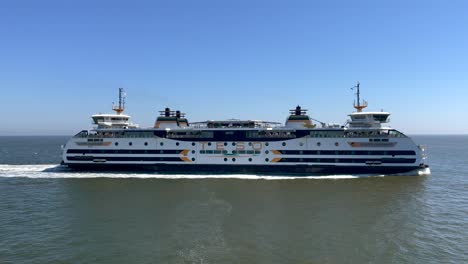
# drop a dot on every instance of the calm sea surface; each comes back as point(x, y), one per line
point(51, 215)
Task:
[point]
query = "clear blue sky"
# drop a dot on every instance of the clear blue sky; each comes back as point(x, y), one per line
point(62, 61)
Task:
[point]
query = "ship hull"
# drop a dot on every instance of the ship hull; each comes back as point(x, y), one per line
point(283, 170)
point(311, 152)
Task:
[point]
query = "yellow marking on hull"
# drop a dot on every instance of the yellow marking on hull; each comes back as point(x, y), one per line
point(185, 159)
point(276, 152)
point(275, 159)
point(184, 152)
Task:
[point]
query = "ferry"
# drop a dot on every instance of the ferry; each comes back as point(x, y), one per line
point(366, 144)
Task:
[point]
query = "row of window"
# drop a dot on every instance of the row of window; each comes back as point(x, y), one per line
point(177, 143)
point(190, 134)
point(378, 139)
point(95, 140)
point(274, 134)
point(234, 159)
point(355, 134)
point(130, 143)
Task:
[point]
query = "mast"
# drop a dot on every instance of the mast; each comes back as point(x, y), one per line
point(119, 109)
point(358, 106)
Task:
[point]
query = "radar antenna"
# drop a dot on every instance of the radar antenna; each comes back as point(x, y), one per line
point(359, 106)
point(121, 107)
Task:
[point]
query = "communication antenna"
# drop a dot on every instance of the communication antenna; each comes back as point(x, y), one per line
point(121, 107)
point(359, 106)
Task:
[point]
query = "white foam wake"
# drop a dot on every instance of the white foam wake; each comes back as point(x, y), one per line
point(57, 171)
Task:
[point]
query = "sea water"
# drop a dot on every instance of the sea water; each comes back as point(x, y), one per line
point(50, 214)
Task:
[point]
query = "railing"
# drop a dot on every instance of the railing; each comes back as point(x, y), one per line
point(115, 135)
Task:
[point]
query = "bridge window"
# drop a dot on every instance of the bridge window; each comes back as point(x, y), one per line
point(380, 118)
point(395, 133)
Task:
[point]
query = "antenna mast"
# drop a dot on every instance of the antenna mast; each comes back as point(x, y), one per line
point(358, 106)
point(119, 109)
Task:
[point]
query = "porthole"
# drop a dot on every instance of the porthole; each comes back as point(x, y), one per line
point(193, 143)
point(337, 144)
point(146, 143)
point(193, 159)
point(225, 143)
point(250, 159)
point(250, 143)
point(284, 144)
point(301, 144)
point(162, 143)
point(233, 159)
point(209, 143)
point(193, 151)
point(318, 144)
point(177, 143)
point(225, 159)
point(233, 143)
point(116, 143)
point(266, 151)
point(267, 159)
point(266, 144)
point(130, 143)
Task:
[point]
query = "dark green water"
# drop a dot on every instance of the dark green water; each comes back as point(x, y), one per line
point(48, 215)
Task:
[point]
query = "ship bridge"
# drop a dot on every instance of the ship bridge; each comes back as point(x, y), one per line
point(117, 120)
point(368, 119)
point(362, 119)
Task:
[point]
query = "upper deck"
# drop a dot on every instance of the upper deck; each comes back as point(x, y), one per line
point(235, 124)
point(240, 134)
